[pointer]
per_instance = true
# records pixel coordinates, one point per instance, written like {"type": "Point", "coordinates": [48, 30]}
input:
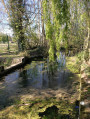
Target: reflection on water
{"type": "Point", "coordinates": [38, 75]}
{"type": "Point", "coordinates": [43, 74]}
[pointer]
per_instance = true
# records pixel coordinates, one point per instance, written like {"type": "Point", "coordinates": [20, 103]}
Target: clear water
{"type": "Point", "coordinates": [39, 78]}
{"type": "Point", "coordinates": [38, 75]}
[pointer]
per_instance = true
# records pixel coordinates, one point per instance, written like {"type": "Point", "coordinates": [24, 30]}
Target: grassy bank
{"type": "Point", "coordinates": [73, 63]}
{"type": "Point", "coordinates": [76, 65]}
{"type": "Point", "coordinates": [11, 56]}
{"type": "Point", "coordinates": [85, 92]}
{"type": "Point", "coordinates": [4, 48]}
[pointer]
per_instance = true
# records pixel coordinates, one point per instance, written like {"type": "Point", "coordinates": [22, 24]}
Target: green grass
{"type": "Point", "coordinates": [4, 48]}
{"type": "Point", "coordinates": [73, 64]}
{"type": "Point", "coordinates": [6, 57]}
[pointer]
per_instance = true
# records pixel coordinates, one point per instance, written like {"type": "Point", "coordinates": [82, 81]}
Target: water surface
{"type": "Point", "coordinates": [39, 79]}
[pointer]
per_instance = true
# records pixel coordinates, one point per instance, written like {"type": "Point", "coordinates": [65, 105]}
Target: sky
{"type": "Point", "coordinates": [4, 21]}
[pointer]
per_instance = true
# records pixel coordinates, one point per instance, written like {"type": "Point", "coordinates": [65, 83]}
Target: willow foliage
{"type": "Point", "coordinates": [56, 15]}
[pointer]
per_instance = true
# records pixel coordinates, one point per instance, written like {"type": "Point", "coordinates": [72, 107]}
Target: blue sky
{"type": "Point", "coordinates": [4, 23]}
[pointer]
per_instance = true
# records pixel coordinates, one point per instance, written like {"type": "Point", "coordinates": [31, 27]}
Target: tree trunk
{"type": "Point", "coordinates": [43, 29]}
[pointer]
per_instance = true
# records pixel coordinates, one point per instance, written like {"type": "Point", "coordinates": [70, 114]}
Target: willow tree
{"type": "Point", "coordinates": [56, 15]}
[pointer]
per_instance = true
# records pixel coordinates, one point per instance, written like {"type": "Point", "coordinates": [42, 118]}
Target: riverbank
{"type": "Point", "coordinates": [85, 92]}
{"type": "Point", "coordinates": [11, 61]}
{"type": "Point", "coordinates": [19, 63]}
{"type": "Point", "coordinates": [84, 70]}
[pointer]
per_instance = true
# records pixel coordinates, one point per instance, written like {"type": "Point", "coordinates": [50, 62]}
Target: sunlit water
{"type": "Point", "coordinates": [38, 75]}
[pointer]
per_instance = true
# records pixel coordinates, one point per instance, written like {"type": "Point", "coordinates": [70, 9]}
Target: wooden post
{"type": "Point", "coordinates": [8, 43]}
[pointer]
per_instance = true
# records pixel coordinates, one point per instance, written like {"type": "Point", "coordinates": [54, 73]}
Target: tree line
{"type": "Point", "coordinates": [3, 38]}
{"type": "Point", "coordinates": [52, 23]}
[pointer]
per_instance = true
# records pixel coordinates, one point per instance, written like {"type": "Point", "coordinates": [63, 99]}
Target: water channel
{"type": "Point", "coordinates": [50, 84]}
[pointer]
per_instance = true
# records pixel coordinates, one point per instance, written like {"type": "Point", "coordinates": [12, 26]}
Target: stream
{"type": "Point", "coordinates": [41, 80]}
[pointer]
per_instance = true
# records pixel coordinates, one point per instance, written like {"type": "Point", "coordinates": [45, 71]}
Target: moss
{"type": "Point", "coordinates": [86, 55]}
{"type": "Point", "coordinates": [32, 110]}
{"type": "Point", "coordinates": [73, 64]}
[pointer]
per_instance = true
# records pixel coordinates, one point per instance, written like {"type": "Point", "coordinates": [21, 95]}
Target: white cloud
{"type": "Point", "coordinates": [8, 32]}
